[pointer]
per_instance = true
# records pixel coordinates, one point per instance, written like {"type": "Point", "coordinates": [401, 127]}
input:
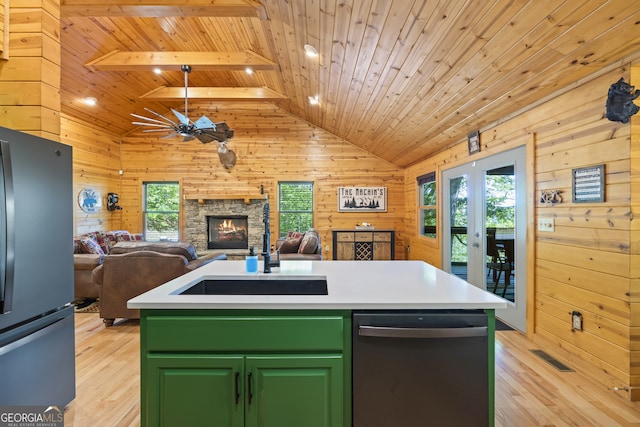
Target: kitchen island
{"type": "Point", "coordinates": [249, 360]}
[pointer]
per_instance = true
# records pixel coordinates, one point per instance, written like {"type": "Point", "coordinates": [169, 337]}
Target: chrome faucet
{"type": "Point", "coordinates": [266, 240]}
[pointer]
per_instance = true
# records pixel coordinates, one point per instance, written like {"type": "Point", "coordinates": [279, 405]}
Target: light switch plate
{"type": "Point", "coordinates": [546, 225]}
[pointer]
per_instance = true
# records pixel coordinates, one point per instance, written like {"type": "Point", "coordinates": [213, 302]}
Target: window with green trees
{"type": "Point", "coordinates": [161, 211]}
{"type": "Point", "coordinates": [295, 207]}
{"type": "Point", "coordinates": [427, 204]}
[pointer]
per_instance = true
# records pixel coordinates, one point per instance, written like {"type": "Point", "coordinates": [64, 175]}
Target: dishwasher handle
{"type": "Point", "coordinates": [390, 332]}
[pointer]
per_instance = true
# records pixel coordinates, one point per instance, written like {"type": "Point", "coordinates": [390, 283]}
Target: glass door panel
{"type": "Point", "coordinates": [458, 226]}
{"type": "Point", "coordinates": [500, 220]}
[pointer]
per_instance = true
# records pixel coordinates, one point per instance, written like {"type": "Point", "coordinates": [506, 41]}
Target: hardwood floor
{"type": "Point", "coordinates": [529, 391]}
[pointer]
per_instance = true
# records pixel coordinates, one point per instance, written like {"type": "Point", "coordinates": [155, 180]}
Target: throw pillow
{"type": "Point", "coordinates": [294, 235]}
{"type": "Point", "coordinates": [290, 246]}
{"type": "Point", "coordinates": [90, 246]}
{"type": "Point", "coordinates": [309, 243]}
{"type": "Point", "coordinates": [102, 240]}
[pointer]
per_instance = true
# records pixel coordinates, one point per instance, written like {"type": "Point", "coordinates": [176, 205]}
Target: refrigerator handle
{"type": "Point", "coordinates": [389, 332]}
{"type": "Point", "coordinates": [8, 230]}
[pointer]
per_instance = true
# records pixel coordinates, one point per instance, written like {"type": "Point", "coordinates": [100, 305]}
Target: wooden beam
{"type": "Point", "coordinates": [164, 8]}
{"type": "Point", "coordinates": [147, 61]}
{"type": "Point", "coordinates": [164, 93]}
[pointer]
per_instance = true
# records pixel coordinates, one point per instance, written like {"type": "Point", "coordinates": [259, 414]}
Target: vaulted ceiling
{"type": "Point", "coordinates": [402, 79]}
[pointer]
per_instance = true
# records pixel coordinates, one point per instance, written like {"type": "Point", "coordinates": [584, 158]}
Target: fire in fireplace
{"type": "Point", "coordinates": [227, 232]}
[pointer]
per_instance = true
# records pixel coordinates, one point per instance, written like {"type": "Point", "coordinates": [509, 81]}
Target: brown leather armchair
{"type": "Point", "coordinates": [127, 275]}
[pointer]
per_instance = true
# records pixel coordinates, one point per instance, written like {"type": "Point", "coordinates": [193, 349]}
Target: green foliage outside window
{"type": "Point", "coordinates": [295, 206]}
{"type": "Point", "coordinates": [161, 209]}
{"type": "Point", "coordinates": [428, 204]}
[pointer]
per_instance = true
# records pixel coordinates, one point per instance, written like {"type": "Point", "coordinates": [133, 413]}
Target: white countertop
{"type": "Point", "coordinates": [352, 285]}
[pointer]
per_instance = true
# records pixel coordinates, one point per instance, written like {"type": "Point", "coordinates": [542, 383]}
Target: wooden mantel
{"type": "Point", "coordinates": [246, 197]}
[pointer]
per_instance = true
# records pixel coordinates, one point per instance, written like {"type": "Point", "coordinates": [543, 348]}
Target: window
{"type": "Point", "coordinates": [161, 209]}
{"type": "Point", "coordinates": [427, 202]}
{"type": "Point", "coordinates": [295, 206]}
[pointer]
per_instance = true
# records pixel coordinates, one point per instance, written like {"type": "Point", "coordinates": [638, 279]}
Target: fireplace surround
{"type": "Point", "coordinates": [196, 212]}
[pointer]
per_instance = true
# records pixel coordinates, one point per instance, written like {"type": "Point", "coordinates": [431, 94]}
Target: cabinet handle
{"type": "Point", "coordinates": [388, 332]}
{"type": "Point", "coordinates": [237, 387]}
{"type": "Point", "coordinates": [250, 392]}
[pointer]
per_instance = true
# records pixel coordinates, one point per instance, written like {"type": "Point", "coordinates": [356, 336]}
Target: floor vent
{"type": "Point", "coordinates": [552, 360]}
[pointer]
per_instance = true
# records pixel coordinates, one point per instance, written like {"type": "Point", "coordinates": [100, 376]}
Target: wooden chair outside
{"type": "Point", "coordinates": [498, 262]}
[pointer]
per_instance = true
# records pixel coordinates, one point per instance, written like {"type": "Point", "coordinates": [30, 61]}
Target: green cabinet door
{"type": "Point", "coordinates": [294, 390]}
{"type": "Point", "coordinates": [195, 390]}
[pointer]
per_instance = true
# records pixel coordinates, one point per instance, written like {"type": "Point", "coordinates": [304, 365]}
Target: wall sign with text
{"type": "Point", "coordinates": [362, 199]}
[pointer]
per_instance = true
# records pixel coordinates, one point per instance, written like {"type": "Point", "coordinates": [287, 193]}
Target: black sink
{"type": "Point", "coordinates": [259, 286]}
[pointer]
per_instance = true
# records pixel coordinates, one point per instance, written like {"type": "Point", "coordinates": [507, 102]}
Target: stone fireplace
{"type": "Point", "coordinates": [198, 224]}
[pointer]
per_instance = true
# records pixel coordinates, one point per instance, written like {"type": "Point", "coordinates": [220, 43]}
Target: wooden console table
{"type": "Point", "coordinates": [363, 245]}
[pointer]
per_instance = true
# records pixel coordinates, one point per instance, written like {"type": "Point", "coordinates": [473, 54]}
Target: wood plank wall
{"type": "Point", "coordinates": [634, 248]}
{"type": "Point", "coordinates": [586, 264]}
{"type": "Point", "coordinates": [271, 146]}
{"type": "Point", "coordinates": [96, 161]}
{"type": "Point", "coordinates": [34, 67]}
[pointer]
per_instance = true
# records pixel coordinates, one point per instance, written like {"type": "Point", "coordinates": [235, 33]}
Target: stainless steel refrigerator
{"type": "Point", "coordinates": [37, 347]}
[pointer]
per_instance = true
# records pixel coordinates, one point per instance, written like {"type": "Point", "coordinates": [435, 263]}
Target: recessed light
{"type": "Point", "coordinates": [248, 70]}
{"type": "Point", "coordinates": [157, 71]}
{"type": "Point", "coordinates": [90, 100]}
{"type": "Point", "coordinates": [313, 100]}
{"type": "Point", "coordinates": [310, 51]}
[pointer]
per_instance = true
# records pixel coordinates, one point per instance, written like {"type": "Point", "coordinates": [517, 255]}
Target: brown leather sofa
{"type": "Point", "coordinates": [84, 286]}
{"type": "Point", "coordinates": [132, 268]}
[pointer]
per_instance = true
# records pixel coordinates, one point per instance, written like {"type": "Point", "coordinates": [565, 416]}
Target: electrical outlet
{"type": "Point", "coordinates": [546, 225]}
{"type": "Point", "coordinates": [576, 321]}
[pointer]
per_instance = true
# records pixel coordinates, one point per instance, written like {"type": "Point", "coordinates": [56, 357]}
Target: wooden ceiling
{"type": "Point", "coordinates": [402, 79]}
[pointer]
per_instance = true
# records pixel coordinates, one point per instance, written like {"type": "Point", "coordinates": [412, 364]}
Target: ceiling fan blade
{"type": "Point", "coordinates": [188, 138]}
{"type": "Point", "coordinates": [157, 130]}
{"type": "Point", "coordinates": [183, 119]}
{"type": "Point", "coordinates": [204, 122]}
{"type": "Point", "coordinates": [166, 126]}
{"type": "Point", "coordinates": [149, 119]}
{"type": "Point", "coordinates": [162, 117]}
{"type": "Point", "coordinates": [208, 135]}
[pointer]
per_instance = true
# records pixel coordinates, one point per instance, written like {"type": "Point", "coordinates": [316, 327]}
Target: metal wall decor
{"type": "Point", "coordinates": [620, 106]}
{"type": "Point", "coordinates": [588, 184]}
{"type": "Point", "coordinates": [89, 200]}
{"type": "Point", "coordinates": [551, 197]}
{"type": "Point", "coordinates": [473, 140]}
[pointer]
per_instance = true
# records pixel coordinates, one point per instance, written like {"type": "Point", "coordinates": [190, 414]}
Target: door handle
{"type": "Point", "coordinates": [249, 391]}
{"type": "Point", "coordinates": [388, 332]}
{"type": "Point", "coordinates": [237, 389]}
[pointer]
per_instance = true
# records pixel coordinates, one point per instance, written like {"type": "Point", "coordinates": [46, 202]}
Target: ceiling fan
{"type": "Point", "coordinates": [203, 129]}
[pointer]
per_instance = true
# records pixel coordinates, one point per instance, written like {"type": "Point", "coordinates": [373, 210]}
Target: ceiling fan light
{"type": "Point", "coordinates": [311, 51]}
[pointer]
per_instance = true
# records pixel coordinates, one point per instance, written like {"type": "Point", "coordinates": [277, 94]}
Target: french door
{"type": "Point", "coordinates": [484, 228]}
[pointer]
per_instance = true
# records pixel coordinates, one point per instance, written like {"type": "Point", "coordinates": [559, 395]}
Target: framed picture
{"type": "Point", "coordinates": [473, 139]}
{"type": "Point", "coordinates": [588, 184]}
{"type": "Point", "coordinates": [362, 199]}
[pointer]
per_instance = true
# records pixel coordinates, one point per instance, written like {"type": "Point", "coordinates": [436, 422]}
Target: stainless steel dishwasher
{"type": "Point", "coordinates": [420, 368]}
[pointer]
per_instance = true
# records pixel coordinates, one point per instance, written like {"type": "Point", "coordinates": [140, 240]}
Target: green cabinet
{"type": "Point", "coordinates": [245, 369]}
{"type": "Point", "coordinates": [194, 390]}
